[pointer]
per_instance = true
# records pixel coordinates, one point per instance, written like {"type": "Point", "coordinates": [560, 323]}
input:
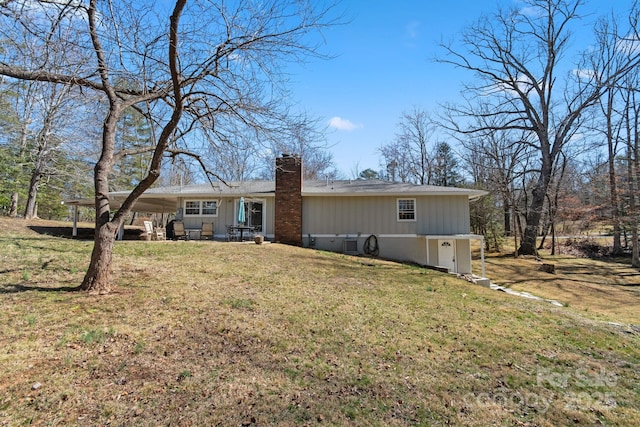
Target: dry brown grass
{"type": "Point", "coordinates": [208, 333]}
{"type": "Point", "coordinates": [606, 289]}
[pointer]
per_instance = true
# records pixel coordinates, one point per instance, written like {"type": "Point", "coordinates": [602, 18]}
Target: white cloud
{"type": "Point", "coordinates": [343, 124]}
{"type": "Point", "coordinates": [584, 73]}
{"type": "Point", "coordinates": [532, 11]}
{"type": "Point", "coordinates": [630, 45]}
{"type": "Point", "coordinates": [412, 29]}
{"type": "Point", "coordinates": [520, 83]}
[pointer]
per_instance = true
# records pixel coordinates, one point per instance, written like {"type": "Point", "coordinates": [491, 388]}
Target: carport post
{"type": "Point", "coordinates": [482, 255]}
{"type": "Point", "coordinates": [74, 233]}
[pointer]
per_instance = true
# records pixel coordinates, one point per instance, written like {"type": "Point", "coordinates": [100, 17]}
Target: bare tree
{"type": "Point", "coordinates": [12, 153]}
{"type": "Point", "coordinates": [52, 129]}
{"type": "Point", "coordinates": [235, 159]}
{"type": "Point", "coordinates": [408, 154]}
{"type": "Point", "coordinates": [611, 125]}
{"type": "Point", "coordinates": [611, 134]}
{"type": "Point", "coordinates": [499, 159]}
{"type": "Point", "coordinates": [631, 120]}
{"type": "Point", "coordinates": [518, 56]}
{"type": "Point", "coordinates": [305, 138]}
{"type": "Point", "coordinates": [46, 120]}
{"type": "Point", "coordinates": [192, 68]}
{"type": "Point", "coordinates": [396, 162]}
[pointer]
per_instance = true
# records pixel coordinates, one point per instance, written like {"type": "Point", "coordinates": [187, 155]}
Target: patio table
{"type": "Point", "coordinates": [242, 229]}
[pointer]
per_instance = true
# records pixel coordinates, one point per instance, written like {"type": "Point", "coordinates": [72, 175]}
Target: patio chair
{"type": "Point", "coordinates": [152, 232]}
{"type": "Point", "coordinates": [207, 231]}
{"type": "Point", "coordinates": [148, 229]}
{"type": "Point", "coordinates": [232, 233]}
{"type": "Point", "coordinates": [250, 234]}
{"type": "Point", "coordinates": [160, 233]}
{"type": "Point", "coordinates": [179, 232]}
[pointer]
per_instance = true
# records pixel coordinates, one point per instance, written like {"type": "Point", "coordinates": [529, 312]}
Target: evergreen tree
{"type": "Point", "coordinates": [368, 174]}
{"type": "Point", "coordinates": [135, 142]}
{"type": "Point", "coordinates": [13, 176]}
{"type": "Point", "coordinates": [445, 166]}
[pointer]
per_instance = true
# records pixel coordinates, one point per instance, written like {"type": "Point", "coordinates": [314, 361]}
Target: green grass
{"type": "Point", "coordinates": [206, 333]}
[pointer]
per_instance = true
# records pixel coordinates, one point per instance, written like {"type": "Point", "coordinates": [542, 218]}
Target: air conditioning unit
{"type": "Point", "coordinates": [350, 246]}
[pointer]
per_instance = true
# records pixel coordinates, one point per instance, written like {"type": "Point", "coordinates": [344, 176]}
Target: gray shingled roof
{"type": "Point", "coordinates": [229, 189]}
{"type": "Point", "coordinates": [381, 188]}
{"type": "Point", "coordinates": [163, 199]}
{"type": "Point", "coordinates": [312, 188]}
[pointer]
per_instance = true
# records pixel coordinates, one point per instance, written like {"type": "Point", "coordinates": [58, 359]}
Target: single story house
{"type": "Point", "coordinates": [424, 224]}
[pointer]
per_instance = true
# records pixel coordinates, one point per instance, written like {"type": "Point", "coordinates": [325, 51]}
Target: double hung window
{"type": "Point", "coordinates": [201, 208]}
{"type": "Point", "coordinates": [406, 209]}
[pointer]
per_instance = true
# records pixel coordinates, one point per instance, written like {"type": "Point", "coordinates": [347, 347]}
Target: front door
{"type": "Point", "coordinates": [447, 254]}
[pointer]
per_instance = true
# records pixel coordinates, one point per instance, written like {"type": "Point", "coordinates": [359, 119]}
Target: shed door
{"type": "Point", "coordinates": [447, 254]}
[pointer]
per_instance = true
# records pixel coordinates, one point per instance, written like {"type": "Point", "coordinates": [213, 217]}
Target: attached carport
{"type": "Point", "coordinates": [146, 203]}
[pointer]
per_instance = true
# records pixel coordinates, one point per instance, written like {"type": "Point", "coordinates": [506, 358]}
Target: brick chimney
{"type": "Point", "coordinates": [288, 211]}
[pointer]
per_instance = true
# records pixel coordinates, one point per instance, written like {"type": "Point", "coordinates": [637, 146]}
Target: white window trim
{"type": "Point", "coordinates": [202, 202]}
{"type": "Point", "coordinates": [200, 207]}
{"type": "Point", "coordinates": [415, 209]}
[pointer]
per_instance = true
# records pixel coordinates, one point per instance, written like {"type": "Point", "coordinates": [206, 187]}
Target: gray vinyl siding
{"type": "Point", "coordinates": [463, 256]}
{"type": "Point", "coordinates": [378, 215]}
{"type": "Point", "coordinates": [433, 252]}
{"type": "Point", "coordinates": [226, 214]}
{"type": "Point", "coordinates": [445, 214]}
{"type": "Point", "coordinates": [269, 226]}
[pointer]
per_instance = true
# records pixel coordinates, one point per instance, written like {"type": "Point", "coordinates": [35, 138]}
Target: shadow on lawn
{"type": "Point", "coordinates": [84, 233]}
{"type": "Point", "coordinates": [14, 289]}
{"type": "Point", "coordinates": [606, 270]}
{"type": "Point", "coordinates": [617, 272]}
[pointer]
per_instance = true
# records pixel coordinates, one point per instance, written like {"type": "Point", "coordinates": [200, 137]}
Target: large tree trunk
{"type": "Point", "coordinates": [548, 156]}
{"type": "Point", "coordinates": [635, 254]}
{"type": "Point", "coordinates": [635, 251]}
{"type": "Point", "coordinates": [633, 208]}
{"type": "Point", "coordinates": [534, 215]}
{"type": "Point", "coordinates": [528, 245]}
{"type": "Point", "coordinates": [98, 276]}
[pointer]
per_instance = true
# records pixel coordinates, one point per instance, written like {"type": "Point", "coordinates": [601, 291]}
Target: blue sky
{"type": "Point", "coordinates": [383, 65]}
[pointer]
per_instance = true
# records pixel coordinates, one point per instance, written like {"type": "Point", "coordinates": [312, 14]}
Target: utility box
{"type": "Point", "coordinates": [350, 246]}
